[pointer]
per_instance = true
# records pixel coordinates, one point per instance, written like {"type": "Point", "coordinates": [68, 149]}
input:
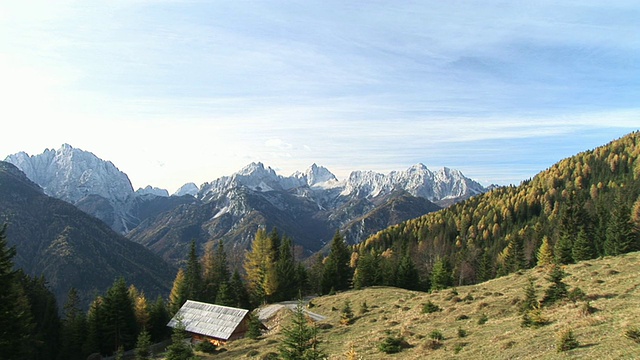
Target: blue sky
{"type": "Point", "coordinates": [179, 91]}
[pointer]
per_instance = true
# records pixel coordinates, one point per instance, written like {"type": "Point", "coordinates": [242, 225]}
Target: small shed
{"type": "Point", "coordinates": [209, 322]}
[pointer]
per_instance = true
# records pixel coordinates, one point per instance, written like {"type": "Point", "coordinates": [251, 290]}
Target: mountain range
{"type": "Point", "coordinates": [308, 206]}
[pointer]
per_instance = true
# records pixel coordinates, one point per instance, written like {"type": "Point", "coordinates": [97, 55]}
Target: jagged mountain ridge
{"type": "Point", "coordinates": [72, 249]}
{"type": "Point", "coordinates": [308, 206]}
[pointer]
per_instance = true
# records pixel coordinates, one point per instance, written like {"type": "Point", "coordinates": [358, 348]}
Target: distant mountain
{"type": "Point", "coordinates": [93, 185]}
{"type": "Point", "coordinates": [308, 206]}
{"type": "Point", "coordinates": [71, 248]}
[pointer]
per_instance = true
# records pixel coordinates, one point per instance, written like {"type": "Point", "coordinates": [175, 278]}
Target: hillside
{"type": "Point", "coordinates": [611, 285]}
{"type": "Point", "coordinates": [70, 248]}
{"type": "Point", "coordinates": [595, 193]}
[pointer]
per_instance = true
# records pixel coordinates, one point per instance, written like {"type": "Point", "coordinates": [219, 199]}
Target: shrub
{"type": "Point", "coordinates": [483, 319]}
{"type": "Point", "coordinates": [364, 308]}
{"type": "Point", "coordinates": [462, 317]}
{"type": "Point", "coordinates": [567, 341]}
{"type": "Point", "coordinates": [436, 335]}
{"type": "Point", "coordinates": [533, 318]}
{"type": "Point", "coordinates": [576, 294]}
{"type": "Point", "coordinates": [586, 309]}
{"type": "Point", "coordinates": [633, 334]}
{"type": "Point", "coordinates": [206, 347]}
{"type": "Point", "coordinates": [462, 332]}
{"type": "Point", "coordinates": [390, 345]}
{"type": "Point", "coordinates": [430, 307]}
{"type": "Point", "coordinates": [458, 347]}
{"type": "Point", "coordinates": [346, 315]}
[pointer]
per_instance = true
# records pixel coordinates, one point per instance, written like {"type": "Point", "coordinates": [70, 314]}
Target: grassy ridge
{"type": "Point", "coordinates": [612, 286]}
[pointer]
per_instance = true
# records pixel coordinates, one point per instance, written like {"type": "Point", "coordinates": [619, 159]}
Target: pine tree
{"type": "Point", "coordinates": [486, 267]}
{"type": "Point", "coordinates": [441, 276]}
{"type": "Point", "coordinates": [158, 319]}
{"type": "Point", "coordinates": [16, 322]}
{"type": "Point", "coordinates": [143, 346]}
{"type": "Point", "coordinates": [179, 294]}
{"type": "Point", "coordinates": [582, 247]}
{"type": "Point", "coordinates": [337, 273]}
{"type": "Point", "coordinates": [239, 292]}
{"type": "Point", "coordinates": [367, 271]}
{"type": "Point", "coordinates": [346, 315]}
{"type": "Point", "coordinates": [563, 250]}
{"type": "Point", "coordinates": [620, 237]}
{"type": "Point", "coordinates": [286, 272]}
{"type": "Point", "coordinates": [300, 340]}
{"type": "Point", "coordinates": [558, 289]}
{"type": "Point", "coordinates": [74, 327]}
{"type": "Point", "coordinates": [216, 270]}
{"type": "Point", "coordinates": [179, 350]}
{"type": "Point", "coordinates": [96, 321]}
{"type": "Point", "coordinates": [225, 297]}
{"type": "Point", "coordinates": [408, 277]}
{"type": "Point", "coordinates": [530, 299]}
{"type": "Point", "coordinates": [120, 321]}
{"type": "Point", "coordinates": [545, 254]}
{"type": "Point", "coordinates": [193, 275]}
{"type": "Point", "coordinates": [44, 312]}
{"type": "Point", "coordinates": [255, 327]}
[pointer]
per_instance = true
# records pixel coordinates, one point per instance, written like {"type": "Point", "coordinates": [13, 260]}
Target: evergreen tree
{"type": "Point", "coordinates": [158, 319]}
{"type": "Point", "coordinates": [225, 296]}
{"type": "Point", "coordinates": [367, 271]}
{"type": "Point", "coordinates": [143, 346]}
{"type": "Point", "coordinates": [300, 340]}
{"type": "Point", "coordinates": [74, 327]}
{"type": "Point", "coordinates": [96, 321]}
{"type": "Point", "coordinates": [407, 277]}
{"type": "Point", "coordinates": [16, 322]}
{"type": "Point", "coordinates": [530, 300]}
{"type": "Point", "coordinates": [179, 293]}
{"type": "Point", "coordinates": [255, 327]}
{"type": "Point", "coordinates": [179, 350]}
{"type": "Point", "coordinates": [485, 269]}
{"type": "Point", "coordinates": [563, 250]}
{"type": "Point", "coordinates": [44, 312]}
{"type": "Point", "coordinates": [337, 273]}
{"type": "Point", "coordinates": [239, 292]}
{"type": "Point", "coordinates": [216, 270]}
{"type": "Point", "coordinates": [558, 289]}
{"type": "Point", "coordinates": [316, 270]}
{"type": "Point", "coordinates": [193, 275]}
{"type": "Point", "coordinates": [441, 276]}
{"type": "Point", "coordinates": [286, 272]}
{"type": "Point", "coordinates": [545, 254]}
{"type": "Point", "coordinates": [620, 237]}
{"type": "Point", "coordinates": [120, 321]}
{"type": "Point", "coordinates": [582, 247]}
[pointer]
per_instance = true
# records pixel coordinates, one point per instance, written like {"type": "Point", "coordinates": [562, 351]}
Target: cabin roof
{"type": "Point", "coordinates": [208, 319]}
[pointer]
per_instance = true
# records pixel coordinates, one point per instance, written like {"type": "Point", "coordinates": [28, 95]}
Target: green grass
{"type": "Point", "coordinates": [611, 285]}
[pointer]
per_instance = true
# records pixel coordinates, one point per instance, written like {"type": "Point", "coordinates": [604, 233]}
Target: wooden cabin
{"type": "Point", "coordinates": [214, 323]}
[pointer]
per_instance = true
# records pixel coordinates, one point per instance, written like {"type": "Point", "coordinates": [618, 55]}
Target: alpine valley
{"type": "Point", "coordinates": [307, 206]}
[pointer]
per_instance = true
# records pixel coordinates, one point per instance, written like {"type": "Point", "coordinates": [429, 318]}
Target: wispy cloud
{"type": "Point", "coordinates": [498, 89]}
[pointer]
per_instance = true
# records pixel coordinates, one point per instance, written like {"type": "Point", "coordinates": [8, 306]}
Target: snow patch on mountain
{"type": "Point", "coordinates": [187, 189]}
{"type": "Point", "coordinates": [154, 191]}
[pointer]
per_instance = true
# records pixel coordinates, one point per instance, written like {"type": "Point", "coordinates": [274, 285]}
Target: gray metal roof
{"type": "Point", "coordinates": [209, 319]}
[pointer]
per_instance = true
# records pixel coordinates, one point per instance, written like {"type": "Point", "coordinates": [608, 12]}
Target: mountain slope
{"type": "Point", "coordinates": [611, 286]}
{"type": "Point", "coordinates": [500, 231]}
{"type": "Point", "coordinates": [70, 248]}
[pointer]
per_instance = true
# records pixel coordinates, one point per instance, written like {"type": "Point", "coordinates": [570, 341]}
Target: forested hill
{"type": "Point", "coordinates": [582, 207]}
{"type": "Point", "coordinates": [70, 248]}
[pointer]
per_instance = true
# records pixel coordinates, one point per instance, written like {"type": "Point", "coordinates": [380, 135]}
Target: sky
{"type": "Point", "coordinates": [188, 91]}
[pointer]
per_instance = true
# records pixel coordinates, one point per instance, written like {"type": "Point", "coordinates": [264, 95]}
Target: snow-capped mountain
{"type": "Point", "coordinates": [80, 178]}
{"type": "Point", "coordinates": [308, 206]}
